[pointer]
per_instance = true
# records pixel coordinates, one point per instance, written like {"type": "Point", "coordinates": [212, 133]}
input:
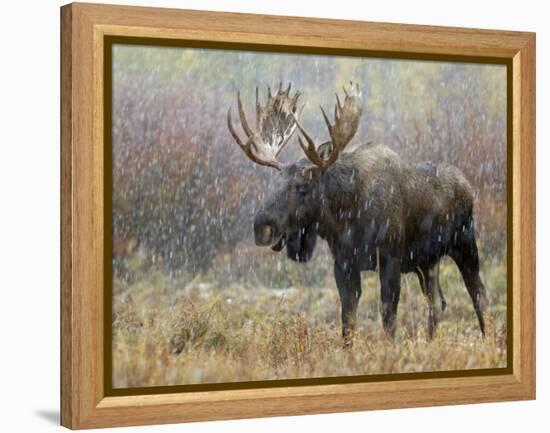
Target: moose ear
{"type": "Point", "coordinates": [324, 150]}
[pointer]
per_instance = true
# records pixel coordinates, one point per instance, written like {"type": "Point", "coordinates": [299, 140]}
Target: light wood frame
{"type": "Point", "coordinates": [83, 28]}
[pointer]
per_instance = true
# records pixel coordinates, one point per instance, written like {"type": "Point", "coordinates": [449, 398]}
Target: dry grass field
{"type": "Point", "coordinates": [172, 332]}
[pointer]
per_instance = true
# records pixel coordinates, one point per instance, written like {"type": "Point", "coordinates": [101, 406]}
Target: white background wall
{"type": "Point", "coordinates": [29, 219]}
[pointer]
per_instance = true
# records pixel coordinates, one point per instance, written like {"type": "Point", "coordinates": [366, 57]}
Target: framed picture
{"type": "Point", "coordinates": [231, 250]}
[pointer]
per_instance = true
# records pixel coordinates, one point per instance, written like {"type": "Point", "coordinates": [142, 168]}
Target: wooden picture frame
{"type": "Point", "coordinates": [84, 30]}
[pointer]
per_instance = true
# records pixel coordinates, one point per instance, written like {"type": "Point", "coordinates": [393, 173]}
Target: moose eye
{"type": "Point", "coordinates": [302, 189]}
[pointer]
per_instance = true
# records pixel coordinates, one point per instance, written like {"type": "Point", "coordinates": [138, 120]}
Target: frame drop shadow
{"type": "Point", "coordinates": [50, 415]}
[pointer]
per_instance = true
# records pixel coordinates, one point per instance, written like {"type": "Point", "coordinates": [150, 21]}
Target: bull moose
{"type": "Point", "coordinates": [375, 210]}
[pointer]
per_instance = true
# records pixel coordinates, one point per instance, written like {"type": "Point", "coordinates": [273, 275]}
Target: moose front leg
{"type": "Point", "coordinates": [348, 280]}
{"type": "Point", "coordinates": [390, 288]}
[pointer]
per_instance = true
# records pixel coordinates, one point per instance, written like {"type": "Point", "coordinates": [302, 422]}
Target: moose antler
{"type": "Point", "coordinates": [275, 124]}
{"type": "Point", "coordinates": [346, 122]}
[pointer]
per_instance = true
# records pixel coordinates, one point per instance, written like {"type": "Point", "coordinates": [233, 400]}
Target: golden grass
{"type": "Point", "coordinates": [165, 333]}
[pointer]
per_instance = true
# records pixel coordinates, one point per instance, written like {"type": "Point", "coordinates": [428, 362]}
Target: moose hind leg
{"type": "Point", "coordinates": [422, 280]}
{"type": "Point", "coordinates": [348, 280]}
{"type": "Point", "coordinates": [466, 257]}
{"type": "Point", "coordinates": [429, 283]}
{"type": "Point", "coordinates": [390, 288]}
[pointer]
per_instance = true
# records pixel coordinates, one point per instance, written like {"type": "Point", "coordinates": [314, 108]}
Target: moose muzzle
{"type": "Point", "coordinates": [266, 230]}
